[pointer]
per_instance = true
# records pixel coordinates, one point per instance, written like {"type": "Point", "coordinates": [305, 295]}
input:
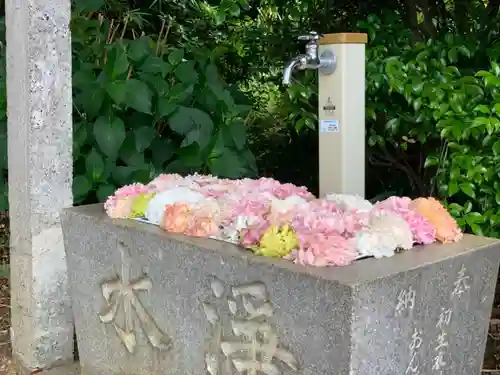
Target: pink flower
{"type": "Point", "coordinates": [118, 205]}
{"type": "Point", "coordinates": [203, 180]}
{"type": "Point", "coordinates": [322, 251]}
{"type": "Point", "coordinates": [394, 203]}
{"type": "Point", "coordinates": [250, 206]}
{"type": "Point", "coordinates": [422, 230]}
{"type": "Point", "coordinates": [169, 181]}
{"type": "Point", "coordinates": [277, 189]}
{"type": "Point", "coordinates": [348, 202]}
{"type": "Point", "coordinates": [252, 234]}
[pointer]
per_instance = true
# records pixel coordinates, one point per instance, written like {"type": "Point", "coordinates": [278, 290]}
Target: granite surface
{"type": "Point", "coordinates": [40, 142]}
{"type": "Point", "coordinates": [149, 302]}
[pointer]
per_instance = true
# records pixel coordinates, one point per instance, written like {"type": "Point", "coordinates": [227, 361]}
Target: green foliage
{"type": "Point", "coordinates": [144, 108]}
{"type": "Point", "coordinates": [437, 123]}
{"type": "Point", "coordinates": [150, 96]}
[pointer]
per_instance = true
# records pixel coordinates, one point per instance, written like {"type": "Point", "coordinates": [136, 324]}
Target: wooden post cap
{"type": "Point", "coordinates": [344, 38]}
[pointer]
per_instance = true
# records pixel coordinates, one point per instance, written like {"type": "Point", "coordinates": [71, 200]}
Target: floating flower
{"type": "Point", "coordinates": [447, 230]}
{"type": "Point", "coordinates": [394, 203]}
{"type": "Point", "coordinates": [284, 220]}
{"type": "Point", "coordinates": [169, 181]}
{"type": "Point", "coordinates": [119, 205]}
{"type": "Point", "coordinates": [131, 190]}
{"type": "Point", "coordinates": [277, 242]}
{"type": "Point", "coordinates": [422, 230]}
{"type": "Point", "coordinates": [385, 233]}
{"type": "Point", "coordinates": [253, 232]}
{"type": "Point", "coordinates": [156, 206]}
{"type": "Point", "coordinates": [140, 205]}
{"type": "Point", "coordinates": [119, 208]}
{"type": "Point", "coordinates": [176, 217]}
{"type": "Point", "coordinates": [349, 202]}
{"type": "Point", "coordinates": [202, 226]}
{"type": "Point", "coordinates": [323, 251]}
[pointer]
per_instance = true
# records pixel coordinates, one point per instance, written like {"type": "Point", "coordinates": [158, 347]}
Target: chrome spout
{"type": "Point", "coordinates": [325, 63]}
{"type": "Point", "coordinates": [296, 63]}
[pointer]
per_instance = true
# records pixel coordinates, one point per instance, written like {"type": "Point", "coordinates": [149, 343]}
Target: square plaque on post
{"type": "Point", "coordinates": [149, 302]}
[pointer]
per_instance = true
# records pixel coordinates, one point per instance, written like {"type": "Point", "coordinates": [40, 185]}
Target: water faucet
{"type": "Point", "coordinates": [325, 63]}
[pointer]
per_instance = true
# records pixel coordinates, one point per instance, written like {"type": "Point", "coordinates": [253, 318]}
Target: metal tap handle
{"type": "Point", "coordinates": [312, 36]}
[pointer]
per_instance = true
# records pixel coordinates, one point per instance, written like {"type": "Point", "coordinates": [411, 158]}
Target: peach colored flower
{"type": "Point", "coordinates": [176, 217]}
{"type": "Point", "coordinates": [202, 226]}
{"type": "Point", "coordinates": [447, 230]}
{"type": "Point", "coordinates": [119, 208]}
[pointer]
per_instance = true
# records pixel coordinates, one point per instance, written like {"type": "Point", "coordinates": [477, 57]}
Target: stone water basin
{"type": "Point", "coordinates": [150, 302]}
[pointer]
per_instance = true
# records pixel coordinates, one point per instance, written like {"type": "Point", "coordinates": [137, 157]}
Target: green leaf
{"type": "Point", "coordinates": [143, 137]}
{"type": "Point", "coordinates": [453, 188]}
{"type": "Point", "coordinates": [117, 91]}
{"type": "Point", "coordinates": [483, 73]}
{"type": "Point", "coordinates": [81, 186]}
{"type": "Point", "coordinates": [238, 133]}
{"type": "Point", "coordinates": [129, 154]}
{"type": "Point", "coordinates": [496, 68]}
{"type": "Point", "coordinates": [417, 103]}
{"type": "Point", "coordinates": [87, 6]}
{"type": "Point", "coordinates": [194, 124]}
{"type": "Point", "coordinates": [431, 161]}
{"type": "Point", "coordinates": [176, 56]}
{"type": "Point", "coordinates": [476, 229]}
{"type": "Point", "coordinates": [480, 121]}
{"type": "Point", "coordinates": [138, 96]}
{"type": "Point", "coordinates": [155, 65]}
{"type": "Point", "coordinates": [162, 150]}
{"type": "Point", "coordinates": [121, 175]}
{"type": "Point", "coordinates": [227, 164]}
{"type": "Point", "coordinates": [104, 191]}
{"type": "Point", "coordinates": [119, 61]}
{"type": "Point", "coordinates": [94, 165]}
{"type": "Point", "coordinates": [109, 133]}
{"type": "Point", "coordinates": [474, 218]}
{"type": "Point", "coordinates": [220, 17]}
{"type": "Point", "coordinates": [392, 124]}
{"type": "Point", "coordinates": [139, 48]}
{"type": "Point", "coordinates": [482, 108]}
{"type": "Point", "coordinates": [90, 101]}
{"type": "Point", "coordinates": [186, 72]}
{"type": "Point", "coordinates": [165, 108]}
{"type": "Point", "coordinates": [497, 108]}
{"type": "Point", "coordinates": [234, 10]}
{"type": "Point", "coordinates": [180, 92]}
{"type": "Point", "coordinates": [468, 189]}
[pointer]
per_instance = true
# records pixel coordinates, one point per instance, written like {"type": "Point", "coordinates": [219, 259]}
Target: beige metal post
{"type": "Point", "coordinates": [342, 116]}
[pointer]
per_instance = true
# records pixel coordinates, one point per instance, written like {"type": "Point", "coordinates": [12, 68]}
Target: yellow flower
{"type": "Point", "coordinates": [277, 242]}
{"type": "Point", "coordinates": [140, 204]}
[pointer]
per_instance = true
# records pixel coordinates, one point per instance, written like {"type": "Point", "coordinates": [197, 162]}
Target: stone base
{"type": "Point", "coordinates": [197, 306]}
{"type": "Point", "coordinates": [62, 369]}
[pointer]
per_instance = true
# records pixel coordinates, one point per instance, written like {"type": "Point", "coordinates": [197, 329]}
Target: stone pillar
{"type": "Point", "coordinates": [40, 178]}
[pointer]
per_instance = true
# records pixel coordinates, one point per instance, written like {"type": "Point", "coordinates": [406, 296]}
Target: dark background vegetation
{"type": "Point", "coordinates": [192, 85]}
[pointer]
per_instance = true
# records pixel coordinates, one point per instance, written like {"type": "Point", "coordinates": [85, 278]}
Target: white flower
{"type": "Point", "coordinates": [156, 206]}
{"type": "Point", "coordinates": [385, 233]}
{"type": "Point", "coordinates": [284, 205]}
{"type": "Point", "coordinates": [348, 202]}
{"type": "Point", "coordinates": [231, 233]}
